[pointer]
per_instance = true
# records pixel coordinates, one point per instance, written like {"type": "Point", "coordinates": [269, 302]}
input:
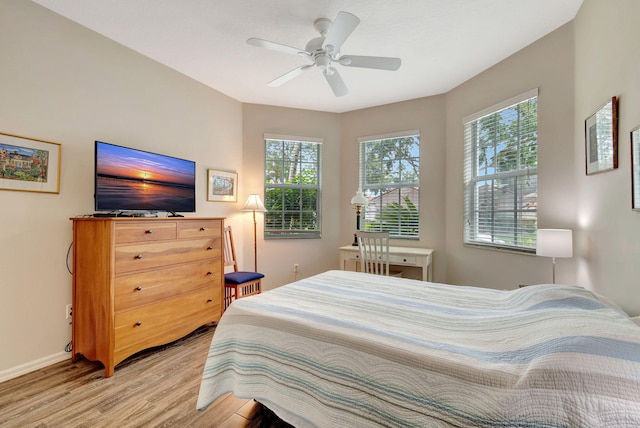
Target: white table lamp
{"type": "Point", "coordinates": [554, 243]}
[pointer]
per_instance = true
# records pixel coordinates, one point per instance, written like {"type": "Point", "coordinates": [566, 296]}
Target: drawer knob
{"type": "Point", "coordinates": [138, 288]}
{"type": "Point", "coordinates": [209, 273]}
{"type": "Point", "coordinates": [404, 260]}
{"type": "Point", "coordinates": [209, 300]}
{"type": "Point", "coordinates": [138, 324]}
{"type": "Point", "coordinates": [209, 248]}
{"type": "Point", "coordinates": [150, 231]}
{"type": "Point", "coordinates": [202, 229]}
{"type": "Point", "coordinates": [139, 256]}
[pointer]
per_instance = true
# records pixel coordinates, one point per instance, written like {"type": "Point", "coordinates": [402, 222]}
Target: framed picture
{"type": "Point", "coordinates": [222, 186]}
{"type": "Point", "coordinates": [29, 165]}
{"type": "Point", "coordinates": [601, 138]}
{"type": "Point", "coordinates": [635, 168]}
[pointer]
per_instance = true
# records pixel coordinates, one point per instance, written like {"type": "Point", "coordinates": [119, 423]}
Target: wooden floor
{"type": "Point", "coordinates": [155, 388]}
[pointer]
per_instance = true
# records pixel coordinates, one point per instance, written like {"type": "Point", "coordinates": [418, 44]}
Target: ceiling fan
{"type": "Point", "coordinates": [324, 51]}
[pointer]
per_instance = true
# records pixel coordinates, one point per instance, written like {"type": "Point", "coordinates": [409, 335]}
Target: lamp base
{"type": "Point", "coordinates": [355, 240]}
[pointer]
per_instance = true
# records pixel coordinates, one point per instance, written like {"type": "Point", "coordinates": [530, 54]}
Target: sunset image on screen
{"type": "Point", "coordinates": [130, 179]}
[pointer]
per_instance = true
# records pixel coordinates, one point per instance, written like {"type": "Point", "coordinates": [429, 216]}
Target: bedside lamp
{"type": "Point", "coordinates": [359, 201]}
{"type": "Point", "coordinates": [554, 243]}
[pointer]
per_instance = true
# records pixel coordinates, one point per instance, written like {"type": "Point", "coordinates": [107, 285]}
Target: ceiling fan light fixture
{"type": "Point", "coordinates": [323, 61]}
{"type": "Point", "coordinates": [324, 50]}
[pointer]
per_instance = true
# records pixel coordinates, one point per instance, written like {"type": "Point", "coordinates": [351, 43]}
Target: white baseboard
{"type": "Point", "coordinates": [33, 366]}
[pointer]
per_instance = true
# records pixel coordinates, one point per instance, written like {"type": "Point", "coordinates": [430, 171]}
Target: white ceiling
{"type": "Point", "coordinates": [442, 43]}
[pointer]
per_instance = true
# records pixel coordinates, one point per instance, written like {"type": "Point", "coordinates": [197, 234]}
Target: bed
{"type": "Point", "coordinates": [346, 349]}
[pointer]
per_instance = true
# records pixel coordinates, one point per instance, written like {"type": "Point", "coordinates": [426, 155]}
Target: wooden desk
{"type": "Point", "coordinates": [413, 262]}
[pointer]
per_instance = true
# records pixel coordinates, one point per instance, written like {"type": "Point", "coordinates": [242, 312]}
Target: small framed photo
{"type": "Point", "coordinates": [29, 165]}
{"type": "Point", "coordinates": [222, 186]}
{"type": "Point", "coordinates": [601, 138]}
{"type": "Point", "coordinates": [635, 169]}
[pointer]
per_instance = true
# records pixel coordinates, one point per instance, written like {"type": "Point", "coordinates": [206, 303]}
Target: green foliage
{"type": "Point", "coordinates": [390, 165]}
{"type": "Point", "coordinates": [508, 139]}
{"type": "Point", "coordinates": [505, 141]}
{"type": "Point", "coordinates": [291, 192]}
{"type": "Point", "coordinates": [394, 160]}
{"type": "Point", "coordinates": [397, 219]}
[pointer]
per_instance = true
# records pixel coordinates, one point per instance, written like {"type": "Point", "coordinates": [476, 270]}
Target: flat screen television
{"type": "Point", "coordinates": [130, 180]}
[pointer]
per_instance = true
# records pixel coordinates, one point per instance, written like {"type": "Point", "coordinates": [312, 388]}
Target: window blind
{"type": "Point", "coordinates": [500, 175]}
{"type": "Point", "coordinates": [390, 180]}
{"type": "Point", "coordinates": [292, 187]}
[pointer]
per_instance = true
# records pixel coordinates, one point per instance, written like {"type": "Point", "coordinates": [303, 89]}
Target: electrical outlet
{"type": "Point", "coordinates": [68, 311]}
{"type": "Point", "coordinates": [296, 267]}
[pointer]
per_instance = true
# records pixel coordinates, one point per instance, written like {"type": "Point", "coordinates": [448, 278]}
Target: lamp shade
{"type": "Point", "coordinates": [254, 203]}
{"type": "Point", "coordinates": [359, 198]}
{"type": "Point", "coordinates": [554, 243]}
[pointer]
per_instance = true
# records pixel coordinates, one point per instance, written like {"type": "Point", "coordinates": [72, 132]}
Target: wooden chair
{"type": "Point", "coordinates": [374, 253]}
{"type": "Point", "coordinates": [237, 284]}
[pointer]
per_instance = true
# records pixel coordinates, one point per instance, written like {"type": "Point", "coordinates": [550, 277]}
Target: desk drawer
{"type": "Point", "coordinates": [393, 259]}
{"type": "Point", "coordinates": [403, 260]}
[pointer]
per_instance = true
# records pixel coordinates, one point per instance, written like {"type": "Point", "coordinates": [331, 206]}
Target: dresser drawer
{"type": "Point", "coordinates": [164, 321]}
{"type": "Point", "coordinates": [145, 231]}
{"type": "Point", "coordinates": [134, 257]}
{"type": "Point", "coordinates": [143, 288]}
{"type": "Point", "coordinates": [200, 229]}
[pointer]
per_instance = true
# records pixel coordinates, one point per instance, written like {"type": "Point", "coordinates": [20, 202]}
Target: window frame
{"type": "Point", "coordinates": [471, 179]}
{"type": "Point", "coordinates": [395, 185]}
{"type": "Point", "coordinates": [294, 233]}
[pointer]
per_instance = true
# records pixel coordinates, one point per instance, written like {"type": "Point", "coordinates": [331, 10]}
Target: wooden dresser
{"type": "Point", "coordinates": [140, 282]}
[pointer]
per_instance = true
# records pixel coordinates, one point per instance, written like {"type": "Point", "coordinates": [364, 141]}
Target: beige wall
{"type": "Point", "coordinates": [547, 64]}
{"type": "Point", "coordinates": [63, 83]}
{"type": "Point", "coordinates": [277, 256]}
{"type": "Point", "coordinates": [60, 82]}
{"type": "Point", "coordinates": [426, 115]}
{"type": "Point", "coordinates": [608, 231]}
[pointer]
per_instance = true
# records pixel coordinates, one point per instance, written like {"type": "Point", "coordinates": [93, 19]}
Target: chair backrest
{"type": "Point", "coordinates": [229, 250]}
{"type": "Point", "coordinates": [374, 252]}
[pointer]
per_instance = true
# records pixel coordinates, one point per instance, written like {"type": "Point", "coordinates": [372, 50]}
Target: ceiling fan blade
{"type": "Point", "coordinates": [335, 81]}
{"type": "Point", "coordinates": [288, 76]}
{"type": "Point", "coordinates": [378, 62]}
{"type": "Point", "coordinates": [342, 27]}
{"type": "Point", "coordinates": [276, 46]}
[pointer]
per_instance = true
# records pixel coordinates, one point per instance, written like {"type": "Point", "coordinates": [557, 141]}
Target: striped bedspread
{"type": "Point", "coordinates": [345, 349]}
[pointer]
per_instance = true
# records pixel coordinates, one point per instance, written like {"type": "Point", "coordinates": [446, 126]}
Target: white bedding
{"type": "Point", "coordinates": [344, 349]}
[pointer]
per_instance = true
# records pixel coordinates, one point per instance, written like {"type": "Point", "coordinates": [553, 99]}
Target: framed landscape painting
{"type": "Point", "coordinates": [222, 186]}
{"type": "Point", "coordinates": [29, 165]}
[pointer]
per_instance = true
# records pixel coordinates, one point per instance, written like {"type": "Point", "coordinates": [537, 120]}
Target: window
{"type": "Point", "coordinates": [390, 180]}
{"type": "Point", "coordinates": [500, 175]}
{"type": "Point", "coordinates": [292, 187]}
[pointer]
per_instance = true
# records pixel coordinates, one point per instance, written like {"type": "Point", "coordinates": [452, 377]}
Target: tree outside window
{"type": "Point", "coordinates": [292, 188]}
{"type": "Point", "coordinates": [390, 180]}
{"type": "Point", "coordinates": [501, 181]}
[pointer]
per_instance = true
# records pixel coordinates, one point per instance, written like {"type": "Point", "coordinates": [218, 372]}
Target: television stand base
{"type": "Point", "coordinates": [137, 214]}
